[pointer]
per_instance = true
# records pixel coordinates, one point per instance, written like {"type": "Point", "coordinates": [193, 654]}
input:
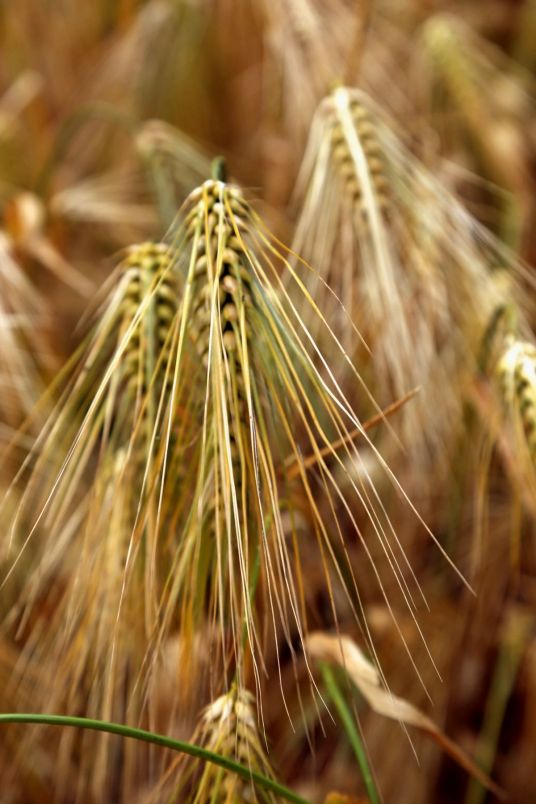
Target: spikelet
{"type": "Point", "coordinates": [228, 727]}
{"type": "Point", "coordinates": [15, 133]}
{"type": "Point", "coordinates": [406, 260]}
{"type": "Point", "coordinates": [516, 372]}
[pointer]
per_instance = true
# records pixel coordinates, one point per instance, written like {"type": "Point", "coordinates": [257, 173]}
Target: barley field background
{"type": "Point", "coordinates": [267, 401]}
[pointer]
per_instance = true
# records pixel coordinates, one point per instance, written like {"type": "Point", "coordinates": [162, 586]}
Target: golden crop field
{"type": "Point", "coordinates": [267, 401]}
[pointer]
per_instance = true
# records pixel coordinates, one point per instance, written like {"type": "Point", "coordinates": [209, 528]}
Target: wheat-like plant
{"type": "Point", "coordinates": [97, 559]}
{"type": "Point", "coordinates": [507, 360]}
{"type": "Point", "coordinates": [485, 95]}
{"type": "Point", "coordinates": [413, 268]}
{"type": "Point", "coordinates": [516, 371]}
{"type": "Point", "coordinates": [182, 408]}
{"type": "Point", "coordinates": [262, 386]}
{"type": "Point", "coordinates": [227, 726]}
{"type": "Point", "coordinates": [210, 499]}
{"type": "Point", "coordinates": [307, 47]}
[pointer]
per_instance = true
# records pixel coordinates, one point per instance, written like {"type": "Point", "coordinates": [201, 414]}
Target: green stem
{"type": "Point", "coordinates": [159, 739]}
{"type": "Point", "coordinates": [504, 316]}
{"type": "Point", "coordinates": [351, 731]}
{"type": "Point", "coordinates": [219, 169]}
{"type": "Point", "coordinates": [161, 188]}
{"type": "Point", "coordinates": [504, 678]}
{"type": "Point", "coordinates": [511, 224]}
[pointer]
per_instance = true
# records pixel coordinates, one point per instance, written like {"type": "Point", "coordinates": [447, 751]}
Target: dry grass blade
{"type": "Point", "coordinates": [343, 651]}
{"type": "Point", "coordinates": [312, 460]}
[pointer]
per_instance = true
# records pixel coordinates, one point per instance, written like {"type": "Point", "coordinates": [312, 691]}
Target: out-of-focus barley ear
{"type": "Point", "coordinates": [117, 82]}
{"type": "Point", "coordinates": [516, 373]}
{"type": "Point", "coordinates": [402, 258]}
{"type": "Point", "coordinates": [490, 97]}
{"type": "Point", "coordinates": [505, 417]}
{"type": "Point", "coordinates": [150, 61]}
{"type": "Point", "coordinates": [502, 326]}
{"type": "Point", "coordinates": [308, 47]}
{"type": "Point", "coordinates": [229, 727]}
{"type": "Point", "coordinates": [163, 165]}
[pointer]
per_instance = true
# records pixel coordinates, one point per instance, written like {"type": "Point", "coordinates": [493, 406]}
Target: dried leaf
{"type": "Point", "coordinates": [343, 651]}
